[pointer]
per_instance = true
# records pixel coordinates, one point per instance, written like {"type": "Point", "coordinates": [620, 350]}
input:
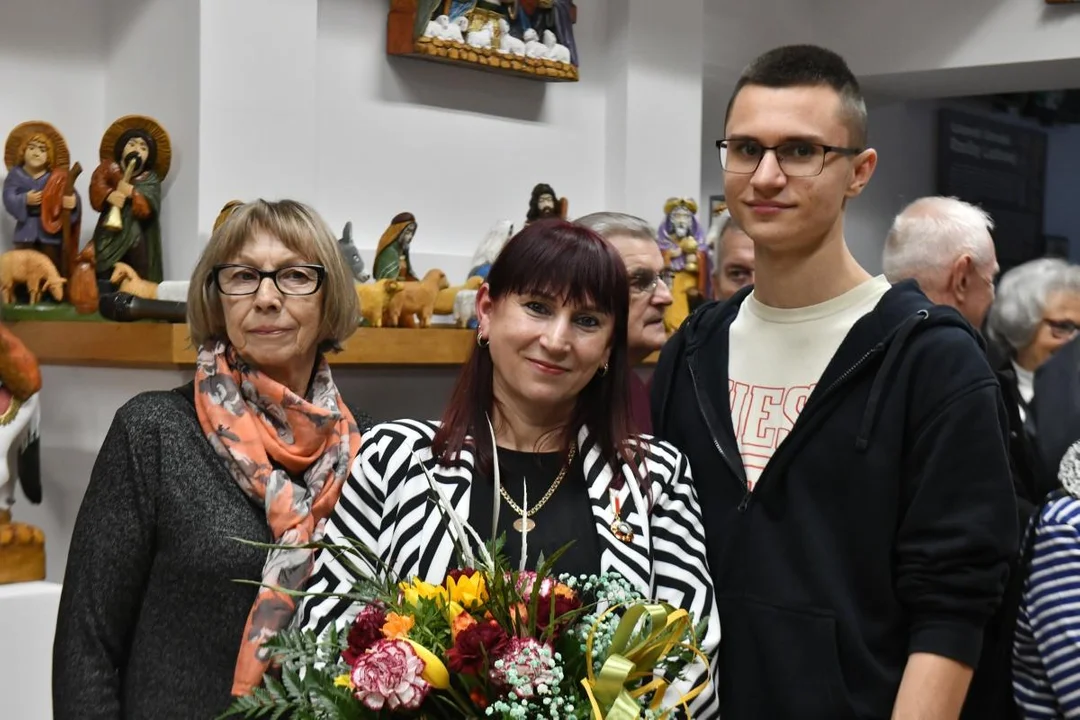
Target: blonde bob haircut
{"type": "Point", "coordinates": [301, 230]}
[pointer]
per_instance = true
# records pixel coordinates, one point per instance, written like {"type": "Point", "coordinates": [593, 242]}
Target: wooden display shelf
{"type": "Point", "coordinates": [166, 345]}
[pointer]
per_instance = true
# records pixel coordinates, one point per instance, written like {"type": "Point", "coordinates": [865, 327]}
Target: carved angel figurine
{"type": "Point", "coordinates": [22, 547]}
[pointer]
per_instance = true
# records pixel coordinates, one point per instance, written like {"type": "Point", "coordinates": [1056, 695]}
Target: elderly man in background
{"type": "Point", "coordinates": [945, 245]}
{"type": "Point", "coordinates": [733, 256]}
{"type": "Point", "coordinates": [650, 295]}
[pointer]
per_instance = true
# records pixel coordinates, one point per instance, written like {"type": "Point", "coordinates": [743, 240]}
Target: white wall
{"type": "Point", "coordinates": [152, 68]}
{"type": "Point", "coordinates": [53, 69]}
{"type": "Point", "coordinates": [459, 149]}
{"type": "Point", "coordinates": [297, 98]}
{"type": "Point", "coordinates": [887, 37]}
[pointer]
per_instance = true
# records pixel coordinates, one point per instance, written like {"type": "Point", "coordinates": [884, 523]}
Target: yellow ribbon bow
{"type": "Point", "coordinates": [632, 657]}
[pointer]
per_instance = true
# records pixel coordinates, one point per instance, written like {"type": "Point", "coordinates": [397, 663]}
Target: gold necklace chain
{"type": "Point", "coordinates": [547, 496]}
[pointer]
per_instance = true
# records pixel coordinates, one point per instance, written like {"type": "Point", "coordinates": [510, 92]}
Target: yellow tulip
{"type": "Point", "coordinates": [468, 590]}
{"type": "Point", "coordinates": [419, 589]}
{"type": "Point", "coordinates": [435, 673]}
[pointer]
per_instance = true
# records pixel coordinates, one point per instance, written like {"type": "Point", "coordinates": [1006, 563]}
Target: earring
{"type": "Point", "coordinates": [602, 371]}
{"type": "Point", "coordinates": [480, 341]}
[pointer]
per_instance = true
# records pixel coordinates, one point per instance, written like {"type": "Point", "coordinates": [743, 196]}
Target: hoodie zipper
{"type": "Point", "coordinates": [740, 473]}
{"type": "Point", "coordinates": [738, 470]}
{"type": "Point", "coordinates": [844, 377]}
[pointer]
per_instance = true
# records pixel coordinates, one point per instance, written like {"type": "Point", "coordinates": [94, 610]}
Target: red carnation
{"type": "Point", "coordinates": [475, 645]}
{"type": "Point", "coordinates": [564, 603]}
{"type": "Point", "coordinates": [366, 630]}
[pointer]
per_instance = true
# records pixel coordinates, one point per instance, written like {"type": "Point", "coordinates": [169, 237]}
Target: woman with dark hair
{"type": "Point", "coordinates": [545, 397]}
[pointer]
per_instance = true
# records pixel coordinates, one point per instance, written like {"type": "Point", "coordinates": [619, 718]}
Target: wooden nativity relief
{"type": "Point", "coordinates": [528, 38]}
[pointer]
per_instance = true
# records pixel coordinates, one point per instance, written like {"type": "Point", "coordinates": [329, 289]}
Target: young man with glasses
{"type": "Point", "coordinates": [850, 460]}
{"type": "Point", "coordinates": [650, 295]}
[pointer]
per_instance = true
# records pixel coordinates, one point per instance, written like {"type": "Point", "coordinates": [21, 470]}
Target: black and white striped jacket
{"type": "Point", "coordinates": [386, 505]}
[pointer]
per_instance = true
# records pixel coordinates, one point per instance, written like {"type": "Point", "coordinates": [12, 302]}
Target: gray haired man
{"type": "Point", "coordinates": [650, 294]}
{"type": "Point", "coordinates": [945, 245]}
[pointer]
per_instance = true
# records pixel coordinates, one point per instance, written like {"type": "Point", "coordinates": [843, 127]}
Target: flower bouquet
{"type": "Point", "coordinates": [488, 641]}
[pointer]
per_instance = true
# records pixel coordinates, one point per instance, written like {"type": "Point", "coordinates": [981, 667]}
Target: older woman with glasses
{"type": "Point", "coordinates": [152, 622]}
{"type": "Point", "coordinates": [1035, 313]}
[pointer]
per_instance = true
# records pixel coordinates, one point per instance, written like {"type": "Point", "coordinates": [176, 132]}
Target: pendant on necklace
{"type": "Point", "coordinates": [622, 530]}
{"type": "Point", "coordinates": [529, 524]}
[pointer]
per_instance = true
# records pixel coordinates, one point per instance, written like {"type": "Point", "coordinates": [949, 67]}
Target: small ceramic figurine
{"type": "Point", "coordinates": [22, 547]}
{"type": "Point", "coordinates": [682, 243]}
{"type": "Point", "coordinates": [125, 188]}
{"type": "Point", "coordinates": [415, 303]}
{"type": "Point", "coordinates": [556, 17]}
{"type": "Point", "coordinates": [39, 191]}
{"type": "Point", "coordinates": [352, 255]}
{"type": "Point", "coordinates": [392, 254]}
{"type": "Point", "coordinates": [545, 203]}
{"type": "Point", "coordinates": [34, 270]}
{"type": "Point", "coordinates": [490, 247]}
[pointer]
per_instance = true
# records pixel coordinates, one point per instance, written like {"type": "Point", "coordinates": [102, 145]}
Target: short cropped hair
{"type": "Point", "coordinates": [613, 224]}
{"type": "Point", "coordinates": [930, 234]}
{"type": "Point", "coordinates": [809, 65]}
{"type": "Point", "coordinates": [723, 224]}
{"type": "Point", "coordinates": [1021, 300]}
{"type": "Point", "coordinates": [301, 230]}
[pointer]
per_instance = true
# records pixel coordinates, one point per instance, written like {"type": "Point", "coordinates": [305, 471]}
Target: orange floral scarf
{"type": "Point", "coordinates": [251, 420]}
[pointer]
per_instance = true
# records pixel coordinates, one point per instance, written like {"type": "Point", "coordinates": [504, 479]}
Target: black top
{"type": "Point", "coordinates": [882, 526]}
{"type": "Point", "coordinates": [151, 615]}
{"type": "Point", "coordinates": [566, 516]}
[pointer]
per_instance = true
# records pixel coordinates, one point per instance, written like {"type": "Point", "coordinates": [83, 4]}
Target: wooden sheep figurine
{"type": "Point", "coordinates": [444, 301]}
{"type": "Point", "coordinates": [33, 269]}
{"type": "Point", "coordinates": [374, 298]}
{"type": "Point", "coordinates": [416, 301]}
{"type": "Point", "coordinates": [129, 281]}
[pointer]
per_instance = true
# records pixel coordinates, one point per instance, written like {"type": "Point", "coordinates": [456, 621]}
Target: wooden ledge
{"type": "Point", "coordinates": [167, 346]}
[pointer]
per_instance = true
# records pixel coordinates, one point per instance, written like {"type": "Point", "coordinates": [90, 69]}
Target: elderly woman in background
{"type": "Point", "coordinates": [152, 622]}
{"type": "Point", "coordinates": [1046, 651]}
{"type": "Point", "coordinates": [1035, 313]}
{"type": "Point", "coordinates": [550, 374]}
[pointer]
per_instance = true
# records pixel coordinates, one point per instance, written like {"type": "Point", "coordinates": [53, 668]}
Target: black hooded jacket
{"type": "Point", "coordinates": [882, 525]}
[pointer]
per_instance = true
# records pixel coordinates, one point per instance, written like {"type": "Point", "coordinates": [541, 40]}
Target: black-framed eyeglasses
{"type": "Point", "coordinates": [796, 158]}
{"type": "Point", "coordinates": [234, 279]}
{"type": "Point", "coordinates": [1062, 329]}
{"type": "Point", "coordinates": [645, 281]}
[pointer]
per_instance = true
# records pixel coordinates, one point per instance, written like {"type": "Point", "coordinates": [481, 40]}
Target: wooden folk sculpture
{"type": "Point", "coordinates": [392, 254]}
{"type": "Point", "coordinates": [544, 202]}
{"type": "Point", "coordinates": [125, 188]}
{"type": "Point", "coordinates": [682, 243]}
{"type": "Point", "coordinates": [39, 192]}
{"type": "Point", "coordinates": [22, 546]}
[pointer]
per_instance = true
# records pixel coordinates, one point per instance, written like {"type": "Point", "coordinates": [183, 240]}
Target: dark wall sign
{"type": "Point", "coordinates": [1002, 168]}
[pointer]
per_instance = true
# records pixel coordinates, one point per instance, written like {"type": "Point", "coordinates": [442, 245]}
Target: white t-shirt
{"type": "Point", "coordinates": [777, 357]}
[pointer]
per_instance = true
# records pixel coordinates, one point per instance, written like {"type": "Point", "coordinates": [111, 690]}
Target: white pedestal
{"type": "Point", "coordinates": [27, 625]}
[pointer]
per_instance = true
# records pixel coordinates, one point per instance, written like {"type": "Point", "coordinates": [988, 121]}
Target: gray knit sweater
{"type": "Point", "coordinates": [150, 614]}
